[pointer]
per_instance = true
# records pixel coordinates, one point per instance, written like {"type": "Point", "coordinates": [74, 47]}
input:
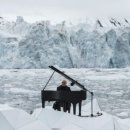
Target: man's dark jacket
{"type": "Point", "coordinates": [63, 88]}
{"type": "Point", "coordinates": [57, 104]}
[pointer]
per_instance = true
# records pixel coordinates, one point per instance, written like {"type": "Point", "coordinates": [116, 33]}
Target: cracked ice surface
{"type": "Point", "coordinates": [21, 88]}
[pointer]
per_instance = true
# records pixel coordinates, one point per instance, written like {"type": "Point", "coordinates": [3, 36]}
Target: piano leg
{"type": "Point", "coordinates": [74, 108]}
{"type": "Point", "coordinates": [68, 107]}
{"type": "Point", "coordinates": [80, 108]}
{"type": "Point", "coordinates": [64, 107]}
{"type": "Point", "coordinates": [43, 104]}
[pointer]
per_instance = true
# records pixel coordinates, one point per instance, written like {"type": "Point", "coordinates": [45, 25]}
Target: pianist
{"type": "Point", "coordinates": [63, 86]}
{"type": "Point", "coordinates": [66, 106]}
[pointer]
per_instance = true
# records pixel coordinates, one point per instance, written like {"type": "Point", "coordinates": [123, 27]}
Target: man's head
{"type": "Point", "coordinates": [64, 83]}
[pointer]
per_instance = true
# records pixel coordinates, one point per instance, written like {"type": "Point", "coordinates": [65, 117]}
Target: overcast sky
{"type": "Point", "coordinates": [58, 10]}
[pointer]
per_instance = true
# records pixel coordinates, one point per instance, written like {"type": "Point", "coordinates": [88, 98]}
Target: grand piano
{"type": "Point", "coordinates": [73, 97]}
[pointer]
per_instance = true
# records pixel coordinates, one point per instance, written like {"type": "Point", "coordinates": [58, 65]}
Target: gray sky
{"type": "Point", "coordinates": [58, 10]}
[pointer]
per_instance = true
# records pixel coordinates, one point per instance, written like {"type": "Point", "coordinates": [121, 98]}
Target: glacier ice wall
{"type": "Point", "coordinates": [101, 43]}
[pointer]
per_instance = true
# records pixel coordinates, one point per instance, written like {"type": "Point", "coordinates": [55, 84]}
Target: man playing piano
{"type": "Point", "coordinates": [63, 86]}
{"type": "Point", "coordinates": [66, 105]}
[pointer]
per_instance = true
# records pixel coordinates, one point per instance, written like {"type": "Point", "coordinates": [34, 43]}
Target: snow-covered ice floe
{"type": "Point", "coordinates": [64, 121]}
{"type": "Point", "coordinates": [17, 119]}
{"type": "Point", "coordinates": [48, 119]}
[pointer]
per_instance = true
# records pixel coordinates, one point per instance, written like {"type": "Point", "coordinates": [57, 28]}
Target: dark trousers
{"type": "Point", "coordinates": [66, 106]}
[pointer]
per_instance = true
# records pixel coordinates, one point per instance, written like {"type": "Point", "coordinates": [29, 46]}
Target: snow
{"type": "Point", "coordinates": [34, 125]}
{"type": "Point", "coordinates": [5, 107]}
{"type": "Point", "coordinates": [124, 123]}
{"type": "Point", "coordinates": [16, 119]}
{"type": "Point", "coordinates": [61, 120]}
{"type": "Point", "coordinates": [88, 44]}
{"type": "Point", "coordinates": [11, 118]}
{"type": "Point", "coordinates": [123, 114]}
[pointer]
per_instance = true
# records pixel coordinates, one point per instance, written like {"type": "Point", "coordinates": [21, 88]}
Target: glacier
{"type": "Point", "coordinates": [94, 43]}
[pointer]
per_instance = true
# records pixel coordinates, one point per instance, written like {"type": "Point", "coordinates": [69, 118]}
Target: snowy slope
{"type": "Point", "coordinates": [94, 43]}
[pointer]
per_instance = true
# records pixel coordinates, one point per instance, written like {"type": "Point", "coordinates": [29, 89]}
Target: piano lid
{"type": "Point", "coordinates": [69, 78]}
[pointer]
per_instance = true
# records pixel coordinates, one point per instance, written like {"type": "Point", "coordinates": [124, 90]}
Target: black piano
{"type": "Point", "coordinates": [73, 97]}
